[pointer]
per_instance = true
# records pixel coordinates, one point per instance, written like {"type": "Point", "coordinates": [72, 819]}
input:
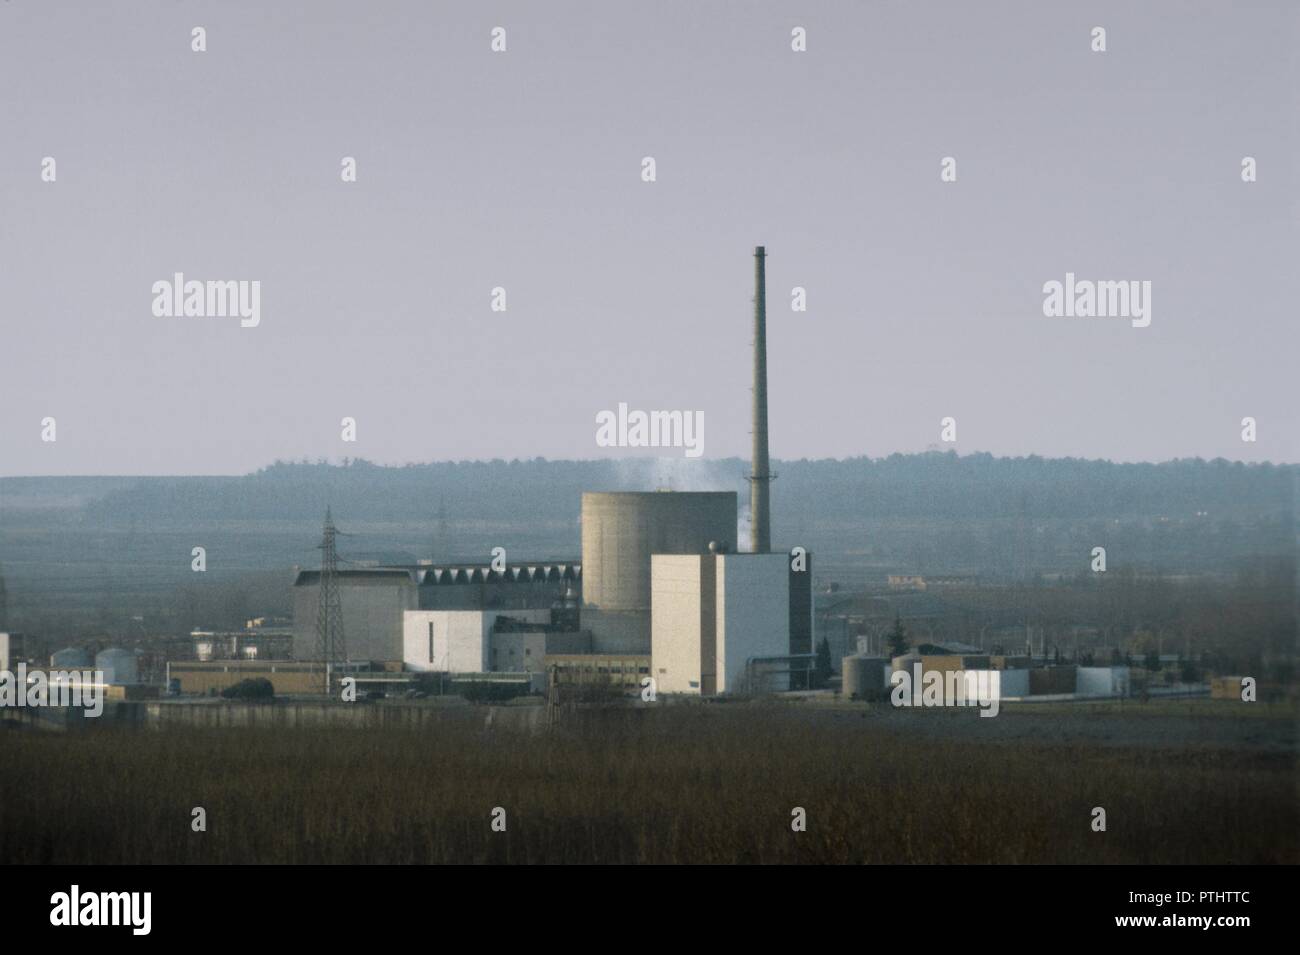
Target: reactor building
{"type": "Point", "coordinates": [621, 531]}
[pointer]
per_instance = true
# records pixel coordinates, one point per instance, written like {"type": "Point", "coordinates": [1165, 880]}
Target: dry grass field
{"type": "Point", "coordinates": [688, 784]}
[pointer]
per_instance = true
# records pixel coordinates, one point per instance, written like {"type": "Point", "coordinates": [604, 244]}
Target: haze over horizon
{"type": "Point", "coordinates": [677, 465]}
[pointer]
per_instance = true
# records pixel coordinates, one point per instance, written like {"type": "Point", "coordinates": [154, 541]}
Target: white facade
{"type": "Point", "coordinates": [678, 605]}
{"type": "Point", "coordinates": [1102, 681]}
{"type": "Point", "coordinates": [714, 616]}
{"type": "Point", "coordinates": [455, 641]}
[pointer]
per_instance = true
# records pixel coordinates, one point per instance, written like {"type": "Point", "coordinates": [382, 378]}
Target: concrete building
{"type": "Point", "coordinates": [620, 532]}
{"type": "Point", "coordinates": [210, 678]}
{"type": "Point", "coordinates": [374, 600]}
{"type": "Point", "coordinates": [721, 623]}
{"type": "Point", "coordinates": [1102, 681]}
{"type": "Point", "coordinates": [483, 641]}
{"type": "Point", "coordinates": [455, 641]}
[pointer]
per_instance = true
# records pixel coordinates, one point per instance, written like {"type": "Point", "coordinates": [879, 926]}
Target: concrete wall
{"type": "Point", "coordinates": [710, 615]}
{"type": "Point", "coordinates": [459, 640]}
{"type": "Point", "coordinates": [618, 631]}
{"type": "Point", "coordinates": [463, 642]}
{"type": "Point", "coordinates": [753, 618]}
{"type": "Point", "coordinates": [519, 651]}
{"type": "Point", "coordinates": [677, 623]}
{"type": "Point", "coordinates": [372, 615]}
{"type": "Point", "coordinates": [620, 532]}
{"type": "Point", "coordinates": [1102, 681]}
{"type": "Point", "coordinates": [526, 651]}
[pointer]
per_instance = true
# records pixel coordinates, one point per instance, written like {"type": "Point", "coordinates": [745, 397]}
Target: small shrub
{"type": "Point", "coordinates": [254, 688]}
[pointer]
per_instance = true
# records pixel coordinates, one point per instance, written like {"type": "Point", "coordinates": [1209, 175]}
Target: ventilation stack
{"type": "Point", "coordinates": [760, 478]}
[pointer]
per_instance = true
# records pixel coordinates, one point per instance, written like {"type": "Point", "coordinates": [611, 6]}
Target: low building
{"type": "Point", "coordinates": [1102, 681]}
{"type": "Point", "coordinates": [207, 679]}
{"type": "Point", "coordinates": [485, 641]}
{"type": "Point", "coordinates": [569, 669]}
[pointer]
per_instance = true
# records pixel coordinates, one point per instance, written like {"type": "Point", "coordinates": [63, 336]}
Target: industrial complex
{"type": "Point", "coordinates": [660, 579]}
{"type": "Point", "coordinates": [663, 598]}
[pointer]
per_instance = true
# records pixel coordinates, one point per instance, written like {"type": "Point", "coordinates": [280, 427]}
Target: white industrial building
{"type": "Point", "coordinates": [1102, 681]}
{"type": "Point", "coordinates": [720, 622]}
{"type": "Point", "coordinates": [456, 641]}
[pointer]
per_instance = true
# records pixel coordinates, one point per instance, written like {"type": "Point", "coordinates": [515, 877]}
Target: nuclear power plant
{"type": "Point", "coordinates": [662, 589]}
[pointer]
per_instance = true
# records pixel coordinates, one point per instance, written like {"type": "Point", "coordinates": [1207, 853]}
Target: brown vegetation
{"type": "Point", "coordinates": [677, 784]}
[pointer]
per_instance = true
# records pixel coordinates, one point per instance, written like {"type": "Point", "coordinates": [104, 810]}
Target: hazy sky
{"type": "Point", "coordinates": [523, 170]}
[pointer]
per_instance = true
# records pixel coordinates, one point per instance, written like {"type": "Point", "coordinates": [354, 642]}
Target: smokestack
{"type": "Point", "coordinates": [760, 477]}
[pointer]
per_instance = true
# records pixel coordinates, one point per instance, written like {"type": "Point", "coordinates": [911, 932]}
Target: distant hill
{"type": "Point", "coordinates": [931, 485]}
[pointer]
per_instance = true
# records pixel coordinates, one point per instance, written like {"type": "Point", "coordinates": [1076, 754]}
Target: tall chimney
{"type": "Point", "coordinates": [760, 477]}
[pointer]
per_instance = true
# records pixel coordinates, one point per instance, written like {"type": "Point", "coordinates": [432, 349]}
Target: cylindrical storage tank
{"type": "Point", "coordinates": [71, 658]}
{"type": "Point", "coordinates": [117, 665]}
{"type": "Point", "coordinates": [863, 677]}
{"type": "Point", "coordinates": [620, 530]}
{"type": "Point", "coordinates": [853, 677]}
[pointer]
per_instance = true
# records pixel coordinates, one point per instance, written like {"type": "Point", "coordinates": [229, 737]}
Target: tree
{"type": "Point", "coordinates": [822, 665]}
{"type": "Point", "coordinates": [253, 688]}
{"type": "Point", "coordinates": [897, 638]}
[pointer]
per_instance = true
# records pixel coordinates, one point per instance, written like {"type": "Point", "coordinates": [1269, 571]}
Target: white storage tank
{"type": "Point", "coordinates": [71, 658]}
{"type": "Point", "coordinates": [863, 677]}
{"type": "Point", "coordinates": [118, 666]}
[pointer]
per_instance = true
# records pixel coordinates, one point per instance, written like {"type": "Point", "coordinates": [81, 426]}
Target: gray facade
{"type": "Point", "coordinates": [373, 601]}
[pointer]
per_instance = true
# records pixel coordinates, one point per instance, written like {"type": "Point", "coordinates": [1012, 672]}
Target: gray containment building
{"type": "Point", "coordinates": [620, 530]}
